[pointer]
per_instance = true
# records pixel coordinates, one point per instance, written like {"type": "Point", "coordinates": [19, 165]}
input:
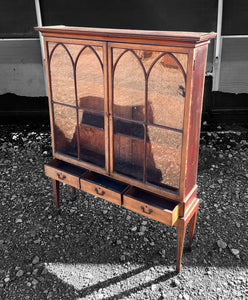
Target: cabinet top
{"type": "Point", "coordinates": [109, 34]}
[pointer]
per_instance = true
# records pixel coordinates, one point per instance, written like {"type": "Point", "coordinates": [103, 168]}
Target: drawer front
{"type": "Point", "coordinates": [62, 176]}
{"type": "Point", "coordinates": [168, 217]}
{"type": "Point", "coordinates": [100, 191]}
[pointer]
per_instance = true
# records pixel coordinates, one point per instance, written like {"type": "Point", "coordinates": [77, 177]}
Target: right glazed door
{"type": "Point", "coordinates": [147, 103]}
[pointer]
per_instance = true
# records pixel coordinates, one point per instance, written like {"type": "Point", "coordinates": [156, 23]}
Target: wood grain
{"type": "Point", "coordinates": [62, 176]}
{"type": "Point", "coordinates": [162, 215]}
{"type": "Point", "coordinates": [194, 37]}
{"type": "Point", "coordinates": [136, 121]}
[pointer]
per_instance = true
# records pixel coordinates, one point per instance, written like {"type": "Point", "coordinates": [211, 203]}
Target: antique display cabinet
{"type": "Point", "coordinates": [125, 111]}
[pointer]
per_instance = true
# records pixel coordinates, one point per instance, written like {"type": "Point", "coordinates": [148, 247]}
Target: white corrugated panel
{"type": "Point", "coordinates": [21, 69]}
{"type": "Point", "coordinates": [234, 65]}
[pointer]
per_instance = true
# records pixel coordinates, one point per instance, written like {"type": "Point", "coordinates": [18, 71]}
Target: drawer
{"type": "Point", "coordinates": [64, 172]}
{"type": "Point", "coordinates": [103, 187]}
{"type": "Point", "coordinates": [151, 205]}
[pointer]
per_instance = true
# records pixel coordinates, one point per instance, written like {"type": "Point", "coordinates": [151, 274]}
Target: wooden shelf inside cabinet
{"type": "Point", "coordinates": [125, 112]}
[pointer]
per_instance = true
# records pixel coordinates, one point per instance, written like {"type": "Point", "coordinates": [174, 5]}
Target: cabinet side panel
{"type": "Point", "coordinates": [195, 117]}
{"type": "Point", "coordinates": [49, 92]}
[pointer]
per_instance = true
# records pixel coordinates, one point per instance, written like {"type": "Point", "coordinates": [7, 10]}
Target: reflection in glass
{"type": "Point", "coordinates": [65, 125]}
{"type": "Point", "coordinates": [90, 91]}
{"type": "Point", "coordinates": [183, 59]}
{"type": "Point", "coordinates": [92, 137]}
{"type": "Point", "coordinates": [147, 57]}
{"type": "Point", "coordinates": [166, 93]}
{"type": "Point", "coordinates": [163, 154]}
{"type": "Point", "coordinates": [164, 75]}
{"type": "Point", "coordinates": [116, 52]}
{"type": "Point", "coordinates": [129, 88]}
{"type": "Point", "coordinates": [62, 76]}
{"type": "Point", "coordinates": [89, 74]}
{"type": "Point", "coordinates": [50, 46]}
{"type": "Point", "coordinates": [129, 149]}
{"type": "Point", "coordinates": [74, 50]}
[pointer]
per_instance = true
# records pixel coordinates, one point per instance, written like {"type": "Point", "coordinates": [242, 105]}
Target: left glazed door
{"type": "Point", "coordinates": [78, 103]}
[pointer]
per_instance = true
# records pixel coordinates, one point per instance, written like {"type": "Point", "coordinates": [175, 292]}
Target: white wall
{"type": "Point", "coordinates": [21, 70]}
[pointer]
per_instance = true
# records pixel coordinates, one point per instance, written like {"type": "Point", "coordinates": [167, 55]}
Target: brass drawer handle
{"type": "Point", "coordinates": [101, 192]}
{"type": "Point", "coordinates": [61, 176]}
{"type": "Point", "coordinates": [146, 212]}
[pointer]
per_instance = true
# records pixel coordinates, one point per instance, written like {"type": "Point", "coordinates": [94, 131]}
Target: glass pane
{"type": "Point", "coordinates": [163, 159]}
{"type": "Point", "coordinates": [89, 76]}
{"type": "Point", "coordinates": [183, 59]}
{"type": "Point", "coordinates": [51, 45]}
{"type": "Point", "coordinates": [65, 129]}
{"type": "Point", "coordinates": [62, 76]}
{"type": "Point", "coordinates": [166, 92]}
{"type": "Point", "coordinates": [129, 149]}
{"type": "Point", "coordinates": [147, 57]}
{"type": "Point", "coordinates": [116, 52]}
{"type": "Point", "coordinates": [74, 50]}
{"type": "Point", "coordinates": [92, 138]}
{"type": "Point", "coordinates": [129, 88]}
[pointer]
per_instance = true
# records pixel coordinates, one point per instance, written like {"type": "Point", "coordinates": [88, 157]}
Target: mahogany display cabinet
{"type": "Point", "coordinates": [125, 112]}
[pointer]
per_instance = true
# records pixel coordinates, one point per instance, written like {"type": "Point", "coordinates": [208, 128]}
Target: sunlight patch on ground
{"type": "Point", "coordinates": [84, 275]}
{"type": "Point", "coordinates": [120, 281]}
{"type": "Point", "coordinates": [103, 280]}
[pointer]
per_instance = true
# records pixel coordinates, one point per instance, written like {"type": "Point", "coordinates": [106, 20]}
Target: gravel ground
{"type": "Point", "coordinates": [96, 250]}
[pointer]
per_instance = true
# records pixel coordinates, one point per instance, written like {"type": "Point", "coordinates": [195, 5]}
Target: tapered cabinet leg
{"type": "Point", "coordinates": [56, 193]}
{"type": "Point", "coordinates": [192, 224]}
{"type": "Point", "coordinates": [181, 229]}
{"type": "Point", "coordinates": [74, 194]}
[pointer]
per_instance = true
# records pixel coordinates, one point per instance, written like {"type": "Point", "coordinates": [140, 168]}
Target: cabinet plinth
{"type": "Point", "coordinates": [125, 110]}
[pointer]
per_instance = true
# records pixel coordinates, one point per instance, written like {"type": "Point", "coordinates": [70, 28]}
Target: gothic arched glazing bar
{"type": "Point", "coordinates": [144, 91]}
{"type": "Point", "coordinates": [50, 60]}
{"type": "Point", "coordinates": [148, 74]}
{"type": "Point", "coordinates": [146, 101]}
{"type": "Point", "coordinates": [133, 52]}
{"type": "Point", "coordinates": [68, 52]}
{"type": "Point", "coordinates": [173, 57]}
{"type": "Point", "coordinates": [93, 50]}
{"type": "Point", "coordinates": [140, 62]}
{"type": "Point", "coordinates": [76, 86]}
{"type": "Point", "coordinates": [74, 79]}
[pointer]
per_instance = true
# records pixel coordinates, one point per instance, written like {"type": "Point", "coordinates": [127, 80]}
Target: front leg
{"type": "Point", "coordinates": [56, 193]}
{"type": "Point", "coordinates": [192, 224]}
{"type": "Point", "coordinates": [181, 230]}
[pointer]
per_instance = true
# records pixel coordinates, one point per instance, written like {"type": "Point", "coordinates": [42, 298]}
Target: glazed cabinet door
{"type": "Point", "coordinates": [147, 101]}
{"type": "Point", "coordinates": [78, 101]}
